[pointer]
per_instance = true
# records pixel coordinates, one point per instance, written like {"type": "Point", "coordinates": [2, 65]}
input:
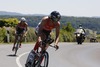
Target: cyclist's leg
{"type": "Point", "coordinates": [16, 36]}
{"type": "Point", "coordinates": [42, 50]}
{"type": "Point", "coordinates": [38, 43]}
{"type": "Point", "coordinates": [47, 35]}
{"type": "Point", "coordinates": [36, 46]}
{"type": "Point", "coordinates": [21, 37]}
{"type": "Point", "coordinates": [44, 45]}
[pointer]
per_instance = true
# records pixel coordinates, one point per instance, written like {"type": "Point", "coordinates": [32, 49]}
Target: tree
{"type": "Point", "coordinates": [69, 27]}
{"type": "Point", "coordinates": [66, 33]}
{"type": "Point", "coordinates": [9, 22]}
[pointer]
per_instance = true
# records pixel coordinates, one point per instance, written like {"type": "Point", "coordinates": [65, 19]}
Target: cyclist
{"type": "Point", "coordinates": [43, 30]}
{"type": "Point", "coordinates": [45, 27]}
{"type": "Point", "coordinates": [21, 29]}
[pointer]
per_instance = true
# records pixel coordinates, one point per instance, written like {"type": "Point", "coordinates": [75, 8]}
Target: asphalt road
{"type": "Point", "coordinates": [69, 55]}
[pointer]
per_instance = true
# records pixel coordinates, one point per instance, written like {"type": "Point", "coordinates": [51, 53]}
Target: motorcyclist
{"type": "Point", "coordinates": [81, 30]}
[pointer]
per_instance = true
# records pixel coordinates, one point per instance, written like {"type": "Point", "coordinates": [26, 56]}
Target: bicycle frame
{"type": "Point", "coordinates": [44, 56]}
{"type": "Point", "coordinates": [40, 57]}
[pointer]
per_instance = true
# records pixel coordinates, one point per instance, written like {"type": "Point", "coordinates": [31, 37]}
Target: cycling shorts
{"type": "Point", "coordinates": [20, 31]}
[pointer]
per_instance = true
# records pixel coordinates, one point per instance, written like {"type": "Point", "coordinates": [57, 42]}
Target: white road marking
{"type": "Point", "coordinates": [18, 59]}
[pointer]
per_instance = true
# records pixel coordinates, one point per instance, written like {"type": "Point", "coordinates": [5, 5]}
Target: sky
{"type": "Point", "coordinates": [87, 8]}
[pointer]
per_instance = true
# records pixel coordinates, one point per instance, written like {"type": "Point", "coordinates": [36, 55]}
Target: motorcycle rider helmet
{"type": "Point", "coordinates": [80, 25]}
{"type": "Point", "coordinates": [55, 16]}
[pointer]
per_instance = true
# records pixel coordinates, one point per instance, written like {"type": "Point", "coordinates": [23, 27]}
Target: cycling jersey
{"type": "Point", "coordinates": [48, 26]}
{"type": "Point", "coordinates": [21, 28]}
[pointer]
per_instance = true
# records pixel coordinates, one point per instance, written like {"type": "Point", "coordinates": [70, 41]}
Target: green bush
{"type": "Point", "coordinates": [2, 34]}
{"type": "Point", "coordinates": [12, 22]}
{"type": "Point", "coordinates": [66, 33]}
{"type": "Point", "coordinates": [31, 36]}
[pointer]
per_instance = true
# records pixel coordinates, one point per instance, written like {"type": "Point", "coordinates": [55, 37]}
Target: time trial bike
{"type": "Point", "coordinates": [39, 58]}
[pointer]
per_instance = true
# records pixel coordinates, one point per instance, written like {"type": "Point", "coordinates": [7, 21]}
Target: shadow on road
{"type": "Point", "coordinates": [12, 55]}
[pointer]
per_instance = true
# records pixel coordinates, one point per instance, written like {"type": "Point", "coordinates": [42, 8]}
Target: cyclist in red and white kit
{"type": "Point", "coordinates": [43, 31]}
{"type": "Point", "coordinates": [21, 29]}
{"type": "Point", "coordinates": [44, 28]}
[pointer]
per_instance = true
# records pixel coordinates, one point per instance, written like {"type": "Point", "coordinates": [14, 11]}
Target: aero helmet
{"type": "Point", "coordinates": [55, 16]}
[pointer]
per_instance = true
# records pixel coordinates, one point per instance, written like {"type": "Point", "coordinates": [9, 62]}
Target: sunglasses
{"type": "Point", "coordinates": [55, 19]}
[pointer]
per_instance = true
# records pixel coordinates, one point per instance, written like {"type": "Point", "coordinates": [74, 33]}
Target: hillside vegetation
{"type": "Point", "coordinates": [87, 22]}
{"type": "Point", "coordinates": [68, 26]}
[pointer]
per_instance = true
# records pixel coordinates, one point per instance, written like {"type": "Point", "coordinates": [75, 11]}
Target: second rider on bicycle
{"type": "Point", "coordinates": [21, 29]}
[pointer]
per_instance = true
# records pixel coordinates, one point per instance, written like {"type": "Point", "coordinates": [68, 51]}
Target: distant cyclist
{"type": "Point", "coordinates": [21, 29]}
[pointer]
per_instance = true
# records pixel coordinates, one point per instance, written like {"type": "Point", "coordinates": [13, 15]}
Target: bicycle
{"type": "Point", "coordinates": [17, 45]}
{"type": "Point", "coordinates": [40, 58]}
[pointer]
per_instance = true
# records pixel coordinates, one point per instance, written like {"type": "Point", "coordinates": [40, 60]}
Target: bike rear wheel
{"type": "Point", "coordinates": [17, 44]}
{"type": "Point", "coordinates": [42, 61]}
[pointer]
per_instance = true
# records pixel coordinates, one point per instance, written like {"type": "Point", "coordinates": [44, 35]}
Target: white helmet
{"type": "Point", "coordinates": [23, 19]}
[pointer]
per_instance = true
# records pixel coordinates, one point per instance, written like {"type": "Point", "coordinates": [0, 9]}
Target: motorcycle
{"type": "Point", "coordinates": [80, 38]}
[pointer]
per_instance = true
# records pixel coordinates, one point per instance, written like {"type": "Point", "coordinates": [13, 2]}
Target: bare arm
{"type": "Point", "coordinates": [26, 27]}
{"type": "Point", "coordinates": [26, 30]}
{"type": "Point", "coordinates": [40, 29]}
{"type": "Point", "coordinates": [57, 35]}
{"type": "Point", "coordinates": [16, 28]}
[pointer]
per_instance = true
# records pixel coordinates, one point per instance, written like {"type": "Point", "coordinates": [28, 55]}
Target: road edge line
{"type": "Point", "coordinates": [18, 59]}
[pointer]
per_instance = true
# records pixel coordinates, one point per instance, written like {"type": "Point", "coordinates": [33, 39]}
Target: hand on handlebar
{"type": "Point", "coordinates": [24, 34]}
{"type": "Point", "coordinates": [56, 46]}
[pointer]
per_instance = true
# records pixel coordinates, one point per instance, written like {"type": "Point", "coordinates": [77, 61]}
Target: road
{"type": "Point", "coordinates": [69, 55]}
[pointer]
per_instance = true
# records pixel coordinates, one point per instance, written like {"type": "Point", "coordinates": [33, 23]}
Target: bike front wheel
{"type": "Point", "coordinates": [42, 61]}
